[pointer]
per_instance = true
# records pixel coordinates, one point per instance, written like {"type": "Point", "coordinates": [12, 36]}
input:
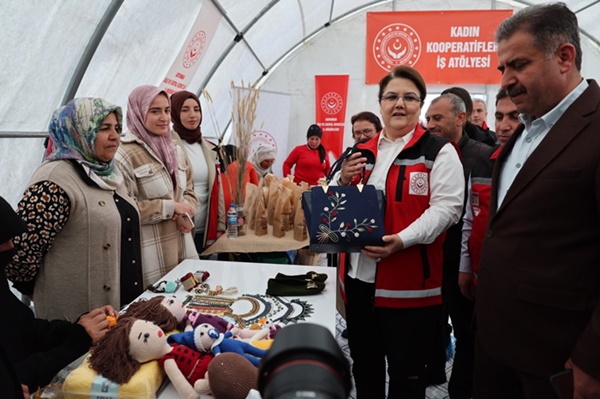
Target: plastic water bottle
{"type": "Point", "coordinates": [232, 222]}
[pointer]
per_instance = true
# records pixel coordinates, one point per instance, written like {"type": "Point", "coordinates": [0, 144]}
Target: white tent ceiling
{"type": "Point", "coordinates": [53, 50]}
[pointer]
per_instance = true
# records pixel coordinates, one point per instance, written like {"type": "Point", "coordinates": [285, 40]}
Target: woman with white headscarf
{"type": "Point", "coordinates": [263, 159]}
{"type": "Point", "coordinates": [159, 178]}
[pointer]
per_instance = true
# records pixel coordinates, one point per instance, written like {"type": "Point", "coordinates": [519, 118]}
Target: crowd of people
{"type": "Point", "coordinates": [496, 231]}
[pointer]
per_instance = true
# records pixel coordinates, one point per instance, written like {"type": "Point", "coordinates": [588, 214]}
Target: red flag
{"type": "Point", "coordinates": [331, 92]}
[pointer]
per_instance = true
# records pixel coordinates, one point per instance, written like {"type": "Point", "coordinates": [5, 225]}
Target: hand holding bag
{"type": "Point", "coordinates": [343, 218]}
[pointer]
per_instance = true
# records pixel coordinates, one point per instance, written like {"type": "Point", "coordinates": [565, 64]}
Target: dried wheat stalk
{"type": "Point", "coordinates": [243, 116]}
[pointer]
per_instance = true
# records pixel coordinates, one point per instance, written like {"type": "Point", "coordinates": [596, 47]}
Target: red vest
{"type": "Point", "coordinates": [412, 277]}
{"type": "Point", "coordinates": [481, 182]}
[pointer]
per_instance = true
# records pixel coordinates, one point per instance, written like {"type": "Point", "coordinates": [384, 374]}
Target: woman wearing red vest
{"type": "Point", "coordinates": [393, 292]}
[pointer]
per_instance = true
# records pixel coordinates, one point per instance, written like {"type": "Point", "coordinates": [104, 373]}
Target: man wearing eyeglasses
{"type": "Point", "coordinates": [365, 125]}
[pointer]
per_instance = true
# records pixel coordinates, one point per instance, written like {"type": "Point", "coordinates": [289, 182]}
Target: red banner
{"type": "Point", "coordinates": [331, 92]}
{"type": "Point", "coordinates": [447, 47]}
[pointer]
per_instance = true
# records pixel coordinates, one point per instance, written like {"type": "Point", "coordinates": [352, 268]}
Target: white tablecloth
{"type": "Point", "coordinates": [251, 278]}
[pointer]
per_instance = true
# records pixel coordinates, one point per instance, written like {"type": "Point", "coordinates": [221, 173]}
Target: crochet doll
{"type": "Point", "coordinates": [231, 376]}
{"type": "Point", "coordinates": [166, 311]}
{"type": "Point", "coordinates": [193, 318]}
{"type": "Point", "coordinates": [132, 342]}
{"type": "Point", "coordinates": [206, 338]}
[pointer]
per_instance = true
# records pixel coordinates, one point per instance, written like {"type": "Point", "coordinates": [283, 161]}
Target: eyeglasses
{"type": "Point", "coordinates": [407, 98]}
{"type": "Point", "coordinates": [364, 132]}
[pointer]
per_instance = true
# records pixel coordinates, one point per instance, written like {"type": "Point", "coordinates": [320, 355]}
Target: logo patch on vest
{"type": "Point", "coordinates": [419, 183]}
{"type": "Point", "coordinates": [475, 203]}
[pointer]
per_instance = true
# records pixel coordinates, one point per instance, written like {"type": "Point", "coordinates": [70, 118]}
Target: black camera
{"type": "Point", "coordinates": [305, 361]}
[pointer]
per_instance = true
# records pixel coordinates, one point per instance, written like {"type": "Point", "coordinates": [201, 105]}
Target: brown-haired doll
{"type": "Point", "coordinates": [166, 311]}
{"type": "Point", "coordinates": [133, 342]}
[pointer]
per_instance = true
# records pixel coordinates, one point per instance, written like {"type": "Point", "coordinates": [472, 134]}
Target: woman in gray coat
{"type": "Point", "coordinates": [82, 245]}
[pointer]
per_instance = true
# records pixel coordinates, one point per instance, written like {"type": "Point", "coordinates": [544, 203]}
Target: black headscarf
{"type": "Point", "coordinates": [315, 130]}
{"type": "Point", "coordinates": [177, 100]}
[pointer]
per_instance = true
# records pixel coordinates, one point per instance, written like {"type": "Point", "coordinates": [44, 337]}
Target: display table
{"type": "Point", "coordinates": [250, 242]}
{"type": "Point", "coordinates": [251, 278]}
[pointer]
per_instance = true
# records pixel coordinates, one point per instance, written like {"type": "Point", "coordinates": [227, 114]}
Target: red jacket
{"type": "Point", "coordinates": [412, 277]}
{"type": "Point", "coordinates": [481, 183]}
{"type": "Point", "coordinates": [309, 167]}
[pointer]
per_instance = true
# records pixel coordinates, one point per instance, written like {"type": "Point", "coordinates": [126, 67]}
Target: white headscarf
{"type": "Point", "coordinates": [260, 154]}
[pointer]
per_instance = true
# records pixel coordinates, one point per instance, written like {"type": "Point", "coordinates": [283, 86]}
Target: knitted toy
{"type": "Point", "coordinates": [166, 311]}
{"type": "Point", "coordinates": [119, 354]}
{"type": "Point", "coordinates": [206, 338]}
{"type": "Point", "coordinates": [193, 318]}
{"type": "Point", "coordinates": [265, 328]}
{"type": "Point", "coordinates": [231, 376]}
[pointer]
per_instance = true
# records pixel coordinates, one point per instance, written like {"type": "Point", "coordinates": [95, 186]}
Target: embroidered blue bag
{"type": "Point", "coordinates": [343, 218]}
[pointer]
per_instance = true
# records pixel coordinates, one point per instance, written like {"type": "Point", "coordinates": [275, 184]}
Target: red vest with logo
{"type": "Point", "coordinates": [412, 277]}
{"type": "Point", "coordinates": [481, 182]}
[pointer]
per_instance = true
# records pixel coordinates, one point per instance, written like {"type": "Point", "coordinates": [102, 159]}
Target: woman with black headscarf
{"type": "Point", "coordinates": [310, 159]}
{"type": "Point", "coordinates": [33, 350]}
{"type": "Point", "coordinates": [186, 114]}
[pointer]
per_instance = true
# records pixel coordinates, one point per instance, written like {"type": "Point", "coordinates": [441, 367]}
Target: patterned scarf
{"type": "Point", "coordinates": [177, 100]}
{"type": "Point", "coordinates": [163, 147]}
{"type": "Point", "coordinates": [73, 130]}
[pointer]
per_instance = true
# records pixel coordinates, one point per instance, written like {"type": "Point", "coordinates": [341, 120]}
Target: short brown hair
{"type": "Point", "coordinates": [369, 117]}
{"type": "Point", "coordinates": [404, 72]}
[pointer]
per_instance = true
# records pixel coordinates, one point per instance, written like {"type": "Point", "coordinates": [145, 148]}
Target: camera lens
{"type": "Point", "coordinates": [304, 361]}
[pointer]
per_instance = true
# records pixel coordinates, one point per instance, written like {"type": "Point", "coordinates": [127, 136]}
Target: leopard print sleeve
{"type": "Point", "coordinates": [45, 207]}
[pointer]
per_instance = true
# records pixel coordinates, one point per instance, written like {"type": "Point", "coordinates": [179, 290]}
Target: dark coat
{"type": "Point", "coordinates": [479, 134]}
{"type": "Point", "coordinates": [32, 350]}
{"type": "Point", "coordinates": [539, 283]}
{"type": "Point", "coordinates": [470, 151]}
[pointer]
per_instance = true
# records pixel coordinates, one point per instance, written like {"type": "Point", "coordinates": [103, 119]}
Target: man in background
{"type": "Point", "coordinates": [478, 196]}
{"type": "Point", "coordinates": [473, 131]}
{"type": "Point", "coordinates": [445, 117]}
{"type": "Point", "coordinates": [479, 114]}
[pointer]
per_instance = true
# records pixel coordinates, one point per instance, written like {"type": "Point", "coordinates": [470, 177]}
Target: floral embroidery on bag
{"type": "Point", "coordinates": [330, 230]}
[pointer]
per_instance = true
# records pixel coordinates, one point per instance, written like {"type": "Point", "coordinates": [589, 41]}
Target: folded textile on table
{"type": "Point", "coordinates": [310, 283]}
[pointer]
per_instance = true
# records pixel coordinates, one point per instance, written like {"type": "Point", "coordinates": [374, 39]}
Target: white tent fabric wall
{"type": "Point", "coordinates": [43, 41]}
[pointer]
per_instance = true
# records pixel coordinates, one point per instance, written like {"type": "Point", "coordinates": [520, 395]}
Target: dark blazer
{"type": "Point", "coordinates": [539, 283]}
{"type": "Point", "coordinates": [32, 350]}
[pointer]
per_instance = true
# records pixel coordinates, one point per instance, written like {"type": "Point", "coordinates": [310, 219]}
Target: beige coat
{"type": "Point", "coordinates": [82, 269]}
{"type": "Point", "coordinates": [149, 183]}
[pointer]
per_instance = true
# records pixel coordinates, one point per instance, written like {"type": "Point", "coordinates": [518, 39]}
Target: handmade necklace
{"type": "Point", "coordinates": [266, 308]}
{"type": "Point", "coordinates": [305, 310]}
{"type": "Point", "coordinates": [209, 304]}
{"type": "Point", "coordinates": [204, 288]}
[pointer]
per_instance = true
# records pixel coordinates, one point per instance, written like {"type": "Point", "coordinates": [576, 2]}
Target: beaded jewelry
{"type": "Point", "coordinates": [288, 311]}
{"type": "Point", "coordinates": [209, 304]}
{"type": "Point", "coordinates": [266, 306]}
{"type": "Point", "coordinates": [223, 306]}
{"type": "Point", "coordinates": [306, 310]}
{"type": "Point", "coordinates": [204, 288]}
{"type": "Point", "coordinates": [261, 306]}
